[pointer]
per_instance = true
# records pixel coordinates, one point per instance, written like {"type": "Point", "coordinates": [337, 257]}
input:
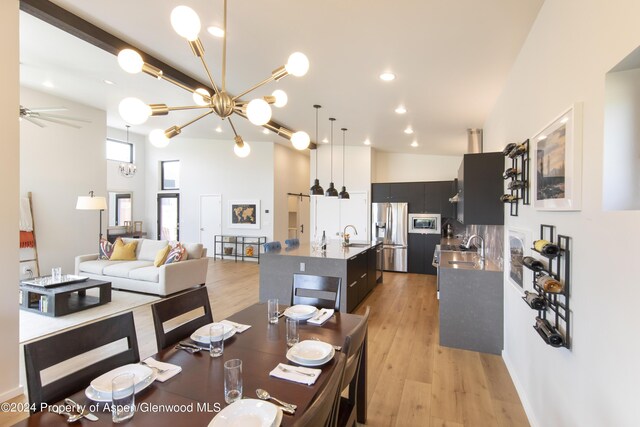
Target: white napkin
{"type": "Point", "coordinates": [294, 374]}
{"type": "Point", "coordinates": [172, 370]}
{"type": "Point", "coordinates": [325, 314]}
{"type": "Point", "coordinates": [240, 328]}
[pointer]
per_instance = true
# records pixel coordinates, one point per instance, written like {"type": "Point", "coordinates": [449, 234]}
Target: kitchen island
{"type": "Point", "coordinates": [359, 266]}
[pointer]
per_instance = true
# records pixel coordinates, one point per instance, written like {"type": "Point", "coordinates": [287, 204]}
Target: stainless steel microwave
{"type": "Point", "coordinates": [424, 223]}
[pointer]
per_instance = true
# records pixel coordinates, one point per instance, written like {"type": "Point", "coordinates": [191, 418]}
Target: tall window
{"type": "Point", "coordinates": [119, 151]}
{"type": "Point", "coordinates": [170, 174]}
{"type": "Point", "coordinates": [123, 208]}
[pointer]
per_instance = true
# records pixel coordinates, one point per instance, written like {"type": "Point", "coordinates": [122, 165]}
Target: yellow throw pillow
{"type": "Point", "coordinates": [161, 256]}
{"type": "Point", "coordinates": [122, 252]}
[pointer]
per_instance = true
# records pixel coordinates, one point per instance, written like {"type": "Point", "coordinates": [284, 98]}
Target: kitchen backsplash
{"type": "Point", "coordinates": [493, 236]}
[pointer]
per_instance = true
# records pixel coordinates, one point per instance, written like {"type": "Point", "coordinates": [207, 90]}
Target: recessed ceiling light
{"type": "Point", "coordinates": [215, 31]}
{"type": "Point", "coordinates": [414, 144]}
{"type": "Point", "coordinates": [401, 110]}
{"type": "Point", "coordinates": [265, 131]}
{"type": "Point", "coordinates": [408, 130]}
{"type": "Point", "coordinates": [541, 137]}
{"type": "Point", "coordinates": [219, 129]}
{"type": "Point", "coordinates": [367, 142]}
{"type": "Point", "coordinates": [325, 141]}
{"type": "Point", "coordinates": [565, 120]}
{"type": "Point", "coordinates": [109, 82]}
{"type": "Point", "coordinates": [387, 77]}
{"type": "Point", "coordinates": [47, 84]}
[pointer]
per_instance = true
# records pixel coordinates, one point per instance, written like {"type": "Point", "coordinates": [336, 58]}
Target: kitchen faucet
{"type": "Point", "coordinates": [468, 245]}
{"type": "Point", "coordinates": [345, 236]}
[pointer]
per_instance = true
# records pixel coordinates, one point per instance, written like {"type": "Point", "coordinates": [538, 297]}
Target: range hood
{"type": "Point", "coordinates": [474, 145]}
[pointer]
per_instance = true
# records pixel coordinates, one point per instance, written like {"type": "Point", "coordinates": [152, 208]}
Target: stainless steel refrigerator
{"type": "Point", "coordinates": [389, 223]}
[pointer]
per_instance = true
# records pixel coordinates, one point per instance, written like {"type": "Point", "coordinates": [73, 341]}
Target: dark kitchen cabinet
{"type": "Point", "coordinates": [480, 186]}
{"type": "Point", "coordinates": [380, 193]}
{"type": "Point", "coordinates": [400, 192]}
{"type": "Point", "coordinates": [356, 279]}
{"type": "Point", "coordinates": [372, 258]}
{"type": "Point", "coordinates": [420, 254]}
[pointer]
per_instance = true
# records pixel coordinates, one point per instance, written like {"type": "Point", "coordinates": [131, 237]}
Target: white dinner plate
{"type": "Point", "coordinates": [248, 413]}
{"type": "Point", "coordinates": [98, 396]}
{"type": "Point", "coordinates": [301, 312]}
{"type": "Point", "coordinates": [311, 353]}
{"type": "Point", "coordinates": [103, 382]}
{"type": "Point", "coordinates": [201, 335]}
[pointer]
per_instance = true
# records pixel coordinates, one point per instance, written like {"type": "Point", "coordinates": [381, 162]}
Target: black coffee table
{"type": "Point", "coordinates": [64, 299]}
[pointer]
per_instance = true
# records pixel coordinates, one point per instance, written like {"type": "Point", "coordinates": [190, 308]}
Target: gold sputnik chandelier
{"type": "Point", "coordinates": [186, 23]}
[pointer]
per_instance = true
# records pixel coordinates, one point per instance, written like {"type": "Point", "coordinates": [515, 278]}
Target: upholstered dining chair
{"type": "Point", "coordinates": [353, 348]}
{"type": "Point", "coordinates": [319, 291]}
{"type": "Point", "coordinates": [171, 308]}
{"type": "Point", "coordinates": [272, 246]}
{"type": "Point", "coordinates": [51, 351]}
{"type": "Point", "coordinates": [292, 242]}
{"type": "Point", "coordinates": [322, 412]}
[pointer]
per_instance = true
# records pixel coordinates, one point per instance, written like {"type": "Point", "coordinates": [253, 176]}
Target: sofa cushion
{"type": "Point", "coordinates": [194, 250]}
{"type": "Point", "coordinates": [123, 251]}
{"type": "Point", "coordinates": [147, 274]}
{"type": "Point", "coordinates": [138, 244]}
{"type": "Point", "coordinates": [177, 254]}
{"type": "Point", "coordinates": [161, 256]}
{"type": "Point", "coordinates": [149, 248]}
{"type": "Point", "coordinates": [106, 249]}
{"type": "Point", "coordinates": [95, 266]}
{"type": "Point", "coordinates": [123, 268]}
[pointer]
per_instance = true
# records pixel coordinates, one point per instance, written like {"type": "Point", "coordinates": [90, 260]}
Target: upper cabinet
{"type": "Point", "coordinates": [431, 197]}
{"type": "Point", "coordinates": [480, 185]}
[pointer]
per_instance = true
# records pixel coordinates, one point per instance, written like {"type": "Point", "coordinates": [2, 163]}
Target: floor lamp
{"type": "Point", "coordinates": [92, 203]}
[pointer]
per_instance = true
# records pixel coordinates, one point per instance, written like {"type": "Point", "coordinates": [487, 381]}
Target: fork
{"type": "Point", "coordinates": [292, 371]}
{"type": "Point", "coordinates": [70, 417]}
{"type": "Point", "coordinates": [335, 347]}
{"type": "Point", "coordinates": [187, 349]}
{"type": "Point", "coordinates": [159, 370]}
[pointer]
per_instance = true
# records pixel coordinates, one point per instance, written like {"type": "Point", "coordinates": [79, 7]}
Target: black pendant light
{"type": "Point", "coordinates": [316, 189]}
{"type": "Point", "coordinates": [343, 193]}
{"type": "Point", "coordinates": [331, 191]}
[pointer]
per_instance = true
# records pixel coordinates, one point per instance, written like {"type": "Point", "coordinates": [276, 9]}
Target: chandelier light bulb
{"type": "Point", "coordinates": [300, 140]}
{"type": "Point", "coordinates": [281, 98]}
{"type": "Point", "coordinates": [185, 22]}
{"type": "Point", "coordinates": [198, 99]}
{"type": "Point", "coordinates": [134, 111]}
{"type": "Point", "coordinates": [130, 61]}
{"type": "Point", "coordinates": [297, 64]}
{"type": "Point", "coordinates": [157, 138]}
{"type": "Point", "coordinates": [258, 111]}
{"type": "Point", "coordinates": [242, 151]}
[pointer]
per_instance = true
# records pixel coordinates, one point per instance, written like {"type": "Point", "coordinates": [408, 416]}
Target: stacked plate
{"type": "Point", "coordinates": [100, 388]}
{"type": "Point", "coordinates": [300, 312]}
{"type": "Point", "coordinates": [311, 353]}
{"type": "Point", "coordinates": [248, 413]}
{"type": "Point", "coordinates": [201, 335]}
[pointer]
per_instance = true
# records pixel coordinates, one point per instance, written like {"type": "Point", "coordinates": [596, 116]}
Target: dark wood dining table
{"type": "Point", "coordinates": [195, 395]}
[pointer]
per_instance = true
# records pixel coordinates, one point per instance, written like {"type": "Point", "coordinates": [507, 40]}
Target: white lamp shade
{"type": "Point", "coordinates": [185, 22]}
{"type": "Point", "coordinates": [134, 111]}
{"type": "Point", "coordinates": [198, 99]}
{"type": "Point", "coordinates": [297, 64]}
{"type": "Point", "coordinates": [300, 140]}
{"type": "Point", "coordinates": [258, 111]}
{"type": "Point", "coordinates": [130, 61]}
{"type": "Point", "coordinates": [242, 151]}
{"type": "Point", "coordinates": [281, 98]}
{"type": "Point", "coordinates": [157, 138]}
{"type": "Point", "coordinates": [88, 203]}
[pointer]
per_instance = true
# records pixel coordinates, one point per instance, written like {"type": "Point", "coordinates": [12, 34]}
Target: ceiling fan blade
{"type": "Point", "coordinates": [45, 109]}
{"type": "Point", "coordinates": [34, 121]}
{"type": "Point", "coordinates": [60, 122]}
{"type": "Point", "coordinates": [58, 116]}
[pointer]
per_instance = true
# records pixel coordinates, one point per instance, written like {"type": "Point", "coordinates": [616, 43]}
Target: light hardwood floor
{"type": "Point", "coordinates": [412, 380]}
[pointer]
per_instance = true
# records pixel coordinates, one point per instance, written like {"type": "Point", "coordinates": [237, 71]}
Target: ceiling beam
{"type": "Point", "coordinates": [61, 18]}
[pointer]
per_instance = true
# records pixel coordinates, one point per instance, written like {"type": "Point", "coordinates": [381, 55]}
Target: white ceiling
{"type": "Point", "coordinates": [451, 59]}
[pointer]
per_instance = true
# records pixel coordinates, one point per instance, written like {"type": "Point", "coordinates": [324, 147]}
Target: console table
{"type": "Point", "coordinates": [235, 246]}
{"type": "Point", "coordinates": [63, 299]}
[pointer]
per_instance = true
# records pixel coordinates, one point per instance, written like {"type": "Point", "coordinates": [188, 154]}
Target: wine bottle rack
{"type": "Point", "coordinates": [557, 312]}
{"type": "Point", "coordinates": [521, 164]}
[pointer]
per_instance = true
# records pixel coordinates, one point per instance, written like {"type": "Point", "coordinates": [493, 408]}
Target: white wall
{"type": "Point", "coordinates": [291, 176]}
{"type": "Point", "coordinates": [401, 167]}
{"type": "Point", "coordinates": [136, 184]}
{"type": "Point", "coordinates": [9, 175]}
{"type": "Point", "coordinates": [572, 45]}
{"type": "Point", "coordinates": [211, 167]}
{"type": "Point", "coordinates": [57, 164]}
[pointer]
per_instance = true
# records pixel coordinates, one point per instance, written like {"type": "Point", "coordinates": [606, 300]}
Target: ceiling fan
{"type": "Point", "coordinates": [37, 115]}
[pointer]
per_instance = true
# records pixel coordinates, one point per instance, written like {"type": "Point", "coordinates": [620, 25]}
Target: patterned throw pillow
{"type": "Point", "coordinates": [106, 249]}
{"type": "Point", "coordinates": [177, 253]}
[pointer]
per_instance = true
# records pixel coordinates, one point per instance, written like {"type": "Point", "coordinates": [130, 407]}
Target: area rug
{"type": "Point", "coordinates": [34, 325]}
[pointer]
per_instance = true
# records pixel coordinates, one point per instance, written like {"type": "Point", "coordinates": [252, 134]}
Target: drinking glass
{"type": "Point", "coordinates": [216, 336]}
{"type": "Point", "coordinates": [292, 332]}
{"type": "Point", "coordinates": [272, 310]}
{"type": "Point", "coordinates": [232, 380]}
{"type": "Point", "coordinates": [56, 274]}
{"type": "Point", "coordinates": [122, 397]}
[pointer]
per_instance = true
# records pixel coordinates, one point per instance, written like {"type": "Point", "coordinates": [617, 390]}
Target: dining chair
{"type": "Point", "coordinates": [319, 291]}
{"type": "Point", "coordinates": [171, 308]}
{"type": "Point", "coordinates": [322, 412]}
{"type": "Point", "coordinates": [51, 351]}
{"type": "Point", "coordinates": [353, 348]}
{"type": "Point", "coordinates": [272, 246]}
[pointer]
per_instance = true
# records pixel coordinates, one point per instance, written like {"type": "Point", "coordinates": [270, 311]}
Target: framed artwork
{"type": "Point", "coordinates": [244, 214]}
{"type": "Point", "coordinates": [557, 159]}
{"type": "Point", "coordinates": [518, 246]}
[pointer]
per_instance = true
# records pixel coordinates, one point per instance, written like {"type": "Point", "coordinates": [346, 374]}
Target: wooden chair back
{"type": "Point", "coordinates": [47, 352]}
{"type": "Point", "coordinates": [171, 308]}
{"type": "Point", "coordinates": [323, 410]}
{"type": "Point", "coordinates": [319, 291]}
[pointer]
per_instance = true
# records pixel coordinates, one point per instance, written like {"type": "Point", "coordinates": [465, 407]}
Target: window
{"type": "Point", "coordinates": [123, 208]}
{"type": "Point", "coordinates": [170, 174]}
{"type": "Point", "coordinates": [119, 151]}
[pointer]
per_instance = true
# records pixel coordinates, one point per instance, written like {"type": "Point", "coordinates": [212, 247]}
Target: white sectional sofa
{"type": "Point", "coordinates": [142, 276]}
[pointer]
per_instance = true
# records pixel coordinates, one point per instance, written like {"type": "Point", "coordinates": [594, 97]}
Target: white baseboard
{"type": "Point", "coordinates": [528, 409]}
{"type": "Point", "coordinates": [11, 393]}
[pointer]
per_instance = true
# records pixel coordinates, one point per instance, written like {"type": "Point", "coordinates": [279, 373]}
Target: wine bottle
{"type": "Point", "coordinates": [509, 173]}
{"type": "Point", "coordinates": [508, 148]}
{"type": "Point", "coordinates": [323, 242]}
{"type": "Point", "coordinates": [519, 150]}
{"type": "Point", "coordinates": [533, 264]}
{"type": "Point", "coordinates": [549, 334]}
{"type": "Point", "coordinates": [508, 198]}
{"type": "Point", "coordinates": [549, 284]}
{"type": "Point", "coordinates": [545, 247]}
{"type": "Point", "coordinates": [535, 301]}
{"type": "Point", "coordinates": [516, 185]}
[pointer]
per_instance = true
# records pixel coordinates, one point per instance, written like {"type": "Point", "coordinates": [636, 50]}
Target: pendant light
{"type": "Point", "coordinates": [331, 191]}
{"type": "Point", "coordinates": [316, 189]}
{"type": "Point", "coordinates": [127, 169]}
{"type": "Point", "coordinates": [343, 193]}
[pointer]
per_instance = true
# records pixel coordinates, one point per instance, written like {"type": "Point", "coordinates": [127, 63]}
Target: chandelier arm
{"type": "Point", "coordinates": [213, 84]}
{"type": "Point", "coordinates": [195, 120]}
{"type": "Point", "coordinates": [187, 107]}
{"type": "Point", "coordinates": [262, 83]}
{"type": "Point", "coordinates": [231, 123]}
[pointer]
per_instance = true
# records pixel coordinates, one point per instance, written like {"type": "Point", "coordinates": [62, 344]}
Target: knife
{"type": "Point", "coordinates": [191, 345]}
{"type": "Point", "coordinates": [82, 410]}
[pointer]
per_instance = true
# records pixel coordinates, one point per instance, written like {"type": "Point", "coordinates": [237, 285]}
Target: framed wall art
{"type": "Point", "coordinates": [557, 161]}
{"type": "Point", "coordinates": [244, 214]}
{"type": "Point", "coordinates": [518, 243]}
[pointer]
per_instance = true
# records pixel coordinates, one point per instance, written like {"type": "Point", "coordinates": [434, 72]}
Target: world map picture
{"type": "Point", "coordinates": [243, 214]}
